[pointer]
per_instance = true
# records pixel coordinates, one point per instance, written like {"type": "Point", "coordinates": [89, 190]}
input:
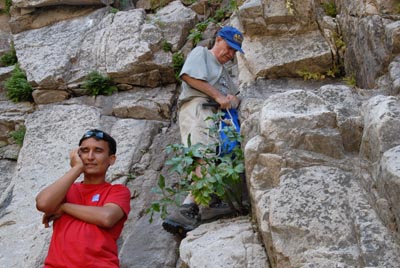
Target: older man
{"type": "Point", "coordinates": [204, 78]}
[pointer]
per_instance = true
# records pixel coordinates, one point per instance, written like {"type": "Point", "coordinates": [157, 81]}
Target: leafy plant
{"type": "Point", "coordinates": [311, 75]}
{"type": "Point", "coordinates": [166, 46]}
{"type": "Point", "coordinates": [177, 62]}
{"type": "Point", "coordinates": [9, 58]}
{"type": "Point", "coordinates": [290, 6]}
{"type": "Point", "coordinates": [220, 174]}
{"type": "Point", "coordinates": [220, 14]}
{"type": "Point", "coordinates": [196, 33]}
{"type": "Point", "coordinates": [18, 135]}
{"type": "Point", "coordinates": [397, 8]}
{"type": "Point", "coordinates": [8, 4]}
{"type": "Point", "coordinates": [350, 80]}
{"type": "Point", "coordinates": [17, 86]}
{"type": "Point", "coordinates": [227, 11]}
{"type": "Point", "coordinates": [97, 84]}
{"type": "Point", "coordinates": [114, 10]}
{"type": "Point", "coordinates": [339, 43]}
{"type": "Point", "coordinates": [330, 8]}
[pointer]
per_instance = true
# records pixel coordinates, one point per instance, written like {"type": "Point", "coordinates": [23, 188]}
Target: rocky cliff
{"type": "Point", "coordinates": [321, 154]}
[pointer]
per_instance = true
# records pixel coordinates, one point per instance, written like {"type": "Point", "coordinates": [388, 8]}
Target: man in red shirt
{"type": "Point", "coordinates": [88, 215]}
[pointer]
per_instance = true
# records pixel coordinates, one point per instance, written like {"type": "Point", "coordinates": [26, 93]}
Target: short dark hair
{"type": "Point", "coordinates": [101, 135]}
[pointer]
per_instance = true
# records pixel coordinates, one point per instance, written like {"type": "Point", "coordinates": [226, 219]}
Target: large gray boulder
{"type": "Point", "coordinates": [381, 126]}
{"type": "Point", "coordinates": [224, 244]}
{"type": "Point", "coordinates": [122, 45]}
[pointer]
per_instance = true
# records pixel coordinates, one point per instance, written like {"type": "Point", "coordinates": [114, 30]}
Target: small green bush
{"type": "Point", "coordinates": [17, 87]}
{"type": "Point", "coordinates": [330, 9]}
{"type": "Point", "coordinates": [220, 174]}
{"type": "Point", "coordinates": [10, 58]}
{"type": "Point", "coordinates": [8, 4]}
{"type": "Point", "coordinates": [350, 81]}
{"type": "Point", "coordinates": [114, 10]}
{"type": "Point", "coordinates": [97, 84]}
{"type": "Point", "coordinates": [311, 75]}
{"type": "Point", "coordinates": [166, 46]}
{"type": "Point", "coordinates": [18, 135]}
{"type": "Point", "coordinates": [397, 9]}
{"type": "Point", "coordinates": [196, 33]}
{"type": "Point", "coordinates": [177, 63]}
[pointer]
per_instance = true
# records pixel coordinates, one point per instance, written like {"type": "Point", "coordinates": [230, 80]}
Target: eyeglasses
{"type": "Point", "coordinates": [94, 133]}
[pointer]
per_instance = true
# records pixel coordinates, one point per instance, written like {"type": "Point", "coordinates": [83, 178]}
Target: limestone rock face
{"type": "Point", "coordinates": [122, 46]}
{"type": "Point", "coordinates": [382, 125]}
{"type": "Point", "coordinates": [307, 200]}
{"type": "Point", "coordinates": [42, 3]}
{"type": "Point", "coordinates": [321, 156]}
{"type": "Point", "coordinates": [305, 223]}
{"type": "Point", "coordinates": [235, 238]}
{"type": "Point", "coordinates": [389, 181]}
{"type": "Point", "coordinates": [300, 120]}
{"type": "Point", "coordinates": [49, 138]}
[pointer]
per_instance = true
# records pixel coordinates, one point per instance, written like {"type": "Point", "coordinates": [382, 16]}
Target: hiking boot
{"type": "Point", "coordinates": [216, 211]}
{"type": "Point", "coordinates": [184, 219]}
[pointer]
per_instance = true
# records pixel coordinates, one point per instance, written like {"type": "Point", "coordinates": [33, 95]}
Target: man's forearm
{"type": "Point", "coordinates": [105, 216]}
{"type": "Point", "coordinates": [209, 90]}
{"type": "Point", "coordinates": [50, 198]}
{"type": "Point", "coordinates": [202, 86]}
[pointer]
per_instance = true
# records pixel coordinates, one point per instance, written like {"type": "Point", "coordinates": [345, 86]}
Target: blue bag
{"type": "Point", "coordinates": [230, 118]}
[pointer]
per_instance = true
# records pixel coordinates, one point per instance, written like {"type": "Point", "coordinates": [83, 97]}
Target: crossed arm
{"type": "Point", "coordinates": [51, 201]}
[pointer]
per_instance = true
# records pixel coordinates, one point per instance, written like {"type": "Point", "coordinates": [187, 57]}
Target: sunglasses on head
{"type": "Point", "coordinates": [94, 133]}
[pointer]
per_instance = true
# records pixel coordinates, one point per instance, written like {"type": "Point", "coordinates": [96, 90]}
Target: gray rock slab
{"type": "Point", "coordinates": [227, 243]}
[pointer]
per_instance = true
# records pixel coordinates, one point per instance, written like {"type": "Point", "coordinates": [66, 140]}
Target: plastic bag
{"type": "Point", "coordinates": [230, 118]}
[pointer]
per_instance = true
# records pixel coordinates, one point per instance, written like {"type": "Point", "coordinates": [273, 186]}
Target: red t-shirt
{"type": "Point", "coordinates": [77, 244]}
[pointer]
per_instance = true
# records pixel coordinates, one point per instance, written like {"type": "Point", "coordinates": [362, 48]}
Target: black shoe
{"type": "Point", "coordinates": [217, 211]}
{"type": "Point", "coordinates": [185, 219]}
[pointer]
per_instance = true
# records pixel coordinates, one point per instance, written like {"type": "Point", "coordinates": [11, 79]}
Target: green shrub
{"type": "Point", "coordinates": [97, 84]}
{"type": "Point", "coordinates": [114, 10]}
{"type": "Point", "coordinates": [330, 9]}
{"type": "Point", "coordinates": [220, 175]}
{"type": "Point", "coordinates": [177, 63]}
{"type": "Point", "coordinates": [311, 75]}
{"type": "Point", "coordinates": [166, 46]}
{"type": "Point", "coordinates": [290, 7]}
{"type": "Point", "coordinates": [196, 36]}
{"type": "Point", "coordinates": [350, 80]}
{"type": "Point", "coordinates": [196, 33]}
{"type": "Point", "coordinates": [18, 135]}
{"type": "Point", "coordinates": [397, 9]}
{"type": "Point", "coordinates": [10, 58]}
{"type": "Point", "coordinates": [220, 14]}
{"type": "Point", "coordinates": [8, 4]}
{"type": "Point", "coordinates": [17, 86]}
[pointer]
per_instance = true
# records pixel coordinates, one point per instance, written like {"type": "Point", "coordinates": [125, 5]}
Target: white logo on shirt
{"type": "Point", "coordinates": [96, 198]}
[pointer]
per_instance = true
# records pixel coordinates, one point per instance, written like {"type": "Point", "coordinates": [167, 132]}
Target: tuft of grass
{"type": "Point", "coordinates": [350, 80]}
{"type": "Point", "coordinates": [330, 9]}
{"type": "Point", "coordinates": [17, 87]}
{"type": "Point", "coordinates": [97, 84]}
{"type": "Point", "coordinates": [177, 63]}
{"type": "Point", "coordinates": [18, 135]}
{"type": "Point", "coordinates": [114, 10]}
{"type": "Point", "coordinates": [311, 75]}
{"type": "Point", "coordinates": [9, 58]}
{"type": "Point", "coordinates": [166, 46]}
{"type": "Point", "coordinates": [397, 9]}
{"type": "Point", "coordinates": [8, 4]}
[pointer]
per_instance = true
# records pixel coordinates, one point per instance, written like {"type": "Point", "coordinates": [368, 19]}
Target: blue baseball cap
{"type": "Point", "coordinates": [232, 36]}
